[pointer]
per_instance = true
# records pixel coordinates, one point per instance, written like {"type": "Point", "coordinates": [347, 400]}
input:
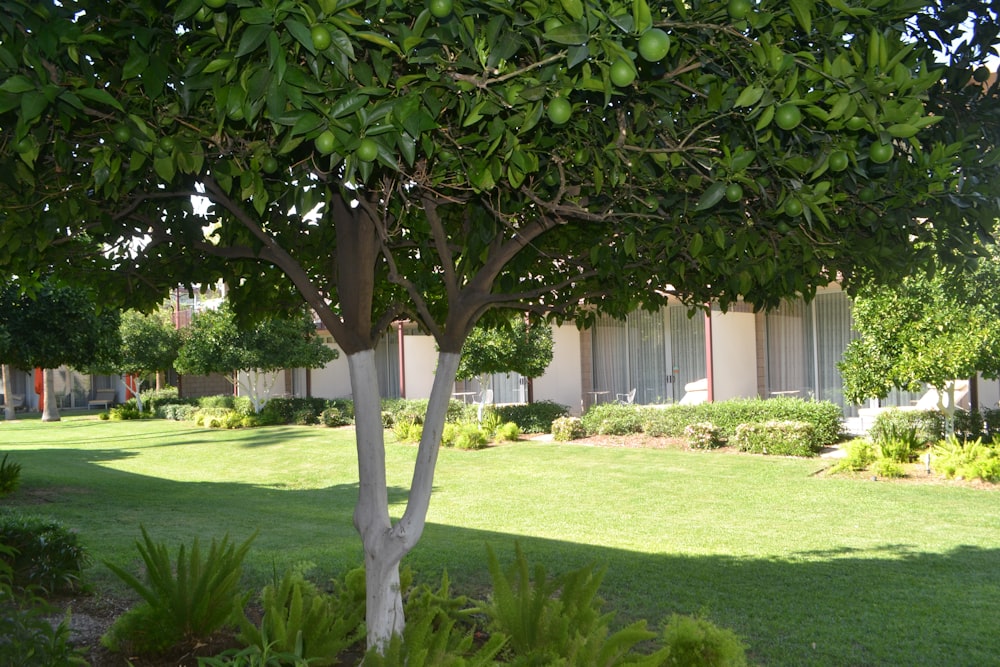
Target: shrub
{"type": "Point", "coordinates": [408, 431]}
{"type": "Point", "coordinates": [10, 476]}
{"type": "Point", "coordinates": [929, 424]}
{"type": "Point", "coordinates": [670, 421]}
{"type": "Point", "coordinates": [532, 417]}
{"type": "Point", "coordinates": [568, 428]}
{"type": "Point", "coordinates": [406, 409]}
{"type": "Point", "coordinates": [470, 436]}
{"type": "Point", "coordinates": [694, 641]}
{"type": "Point", "coordinates": [334, 416]}
{"type": "Point", "coordinates": [613, 419]}
{"type": "Point", "coordinates": [702, 435]}
{"type": "Point", "coordinates": [41, 553]}
{"type": "Point", "coordinates": [824, 416]}
{"type": "Point", "coordinates": [886, 467]}
{"type": "Point", "coordinates": [508, 432]}
{"type": "Point", "coordinates": [125, 411]}
{"type": "Point", "coordinates": [253, 656]}
{"type": "Point", "coordinates": [778, 438]}
{"type": "Point", "coordinates": [305, 417]}
{"type": "Point", "coordinates": [298, 618]}
{"type": "Point", "coordinates": [974, 459]}
{"type": "Point", "coordinates": [152, 399]}
{"type": "Point", "coordinates": [177, 411]}
{"type": "Point", "coordinates": [182, 601]}
{"type": "Point", "coordinates": [898, 443]}
{"type": "Point", "coordinates": [859, 454]}
{"type": "Point", "coordinates": [217, 402]}
{"type": "Point", "coordinates": [29, 639]}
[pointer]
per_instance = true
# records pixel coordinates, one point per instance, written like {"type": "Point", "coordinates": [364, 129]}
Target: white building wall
{"type": "Point", "coordinates": [562, 381]}
{"type": "Point", "coordinates": [734, 355]}
{"type": "Point", "coordinates": [420, 362]}
{"type": "Point", "coordinates": [334, 379]}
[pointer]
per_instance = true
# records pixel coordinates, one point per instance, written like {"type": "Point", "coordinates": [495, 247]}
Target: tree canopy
{"type": "Point", "coordinates": [514, 346]}
{"type": "Point", "coordinates": [249, 355]}
{"type": "Point", "coordinates": [381, 161]}
{"type": "Point", "coordinates": [149, 344]}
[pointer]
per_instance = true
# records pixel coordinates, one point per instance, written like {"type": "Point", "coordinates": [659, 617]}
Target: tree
{"type": "Point", "coordinates": [929, 329]}
{"type": "Point", "coordinates": [149, 344]}
{"type": "Point", "coordinates": [446, 168]}
{"type": "Point", "coordinates": [513, 346]}
{"type": "Point", "coordinates": [249, 355]}
{"type": "Point", "coordinates": [54, 326]}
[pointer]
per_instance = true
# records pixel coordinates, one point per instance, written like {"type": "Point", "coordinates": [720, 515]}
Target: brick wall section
{"type": "Point", "coordinates": [193, 386]}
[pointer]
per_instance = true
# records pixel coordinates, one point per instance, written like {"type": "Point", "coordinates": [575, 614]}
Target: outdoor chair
{"type": "Point", "coordinates": [486, 398]}
{"type": "Point", "coordinates": [626, 399]}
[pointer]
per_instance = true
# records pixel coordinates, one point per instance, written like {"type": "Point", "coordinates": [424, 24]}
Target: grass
{"type": "Point", "coordinates": [809, 569]}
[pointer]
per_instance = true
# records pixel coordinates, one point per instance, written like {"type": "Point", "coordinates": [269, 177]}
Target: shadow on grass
{"type": "Point", "coordinates": [889, 605]}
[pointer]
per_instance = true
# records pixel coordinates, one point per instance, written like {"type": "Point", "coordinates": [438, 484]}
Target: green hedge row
{"type": "Point", "coordinates": [670, 421]}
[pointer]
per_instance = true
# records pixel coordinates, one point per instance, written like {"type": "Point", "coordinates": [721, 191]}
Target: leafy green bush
{"type": "Point", "coordinates": [470, 436]}
{"type": "Point", "coordinates": [886, 467]}
{"type": "Point", "coordinates": [334, 416]}
{"type": "Point", "coordinates": [929, 424]}
{"type": "Point", "coordinates": [960, 459]}
{"type": "Point", "coordinates": [217, 402]}
{"type": "Point", "coordinates": [182, 601]}
{"type": "Point", "coordinates": [825, 417]}
{"type": "Point", "coordinates": [413, 410]}
{"type": "Point", "coordinates": [305, 417]}
{"type": "Point", "coordinates": [177, 411]}
{"type": "Point", "coordinates": [301, 620]}
{"type": "Point", "coordinates": [125, 411]}
{"type": "Point", "coordinates": [10, 476]}
{"type": "Point", "coordinates": [787, 438]}
{"type": "Point", "coordinates": [532, 417]}
{"type": "Point", "coordinates": [859, 454]}
{"type": "Point", "coordinates": [254, 656]}
{"type": "Point", "coordinates": [702, 435]}
{"type": "Point", "coordinates": [152, 399]}
{"type": "Point", "coordinates": [694, 641]}
{"type": "Point", "coordinates": [507, 432]}
{"type": "Point", "coordinates": [613, 419]}
{"type": "Point", "coordinates": [41, 553]}
{"type": "Point", "coordinates": [670, 421]}
{"type": "Point", "coordinates": [898, 443]}
{"type": "Point", "coordinates": [29, 639]}
{"type": "Point", "coordinates": [408, 431]}
{"type": "Point", "coordinates": [568, 428]}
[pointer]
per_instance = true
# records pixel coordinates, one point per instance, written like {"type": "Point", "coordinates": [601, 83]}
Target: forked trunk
{"type": "Point", "coordinates": [50, 411]}
{"type": "Point", "coordinates": [385, 545]}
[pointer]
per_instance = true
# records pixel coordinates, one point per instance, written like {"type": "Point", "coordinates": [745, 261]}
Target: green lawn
{"type": "Point", "coordinates": [809, 569]}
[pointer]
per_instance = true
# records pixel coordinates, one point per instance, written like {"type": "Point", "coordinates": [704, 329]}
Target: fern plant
{"type": "Point", "coordinates": [298, 618]}
{"type": "Point", "coordinates": [10, 476]}
{"type": "Point", "coordinates": [181, 602]}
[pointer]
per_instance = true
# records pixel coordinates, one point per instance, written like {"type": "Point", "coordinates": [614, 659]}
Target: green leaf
{"type": "Point", "coordinates": [33, 104]}
{"type": "Point", "coordinates": [749, 97]}
{"type": "Point", "coordinates": [17, 84]}
{"type": "Point", "coordinates": [100, 96]}
{"type": "Point", "coordinates": [712, 196]}
{"type": "Point", "coordinates": [252, 38]}
{"type": "Point", "coordinates": [802, 9]}
{"type": "Point", "coordinates": [380, 40]}
{"type": "Point", "coordinates": [348, 104]}
{"type": "Point", "coordinates": [574, 8]}
{"type": "Point", "coordinates": [571, 34]}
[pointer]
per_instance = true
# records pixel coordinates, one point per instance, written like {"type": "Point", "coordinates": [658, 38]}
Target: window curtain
{"type": "Point", "coordinates": [687, 348]}
{"type": "Point", "coordinates": [387, 364]}
{"type": "Point", "coordinates": [789, 349]}
{"type": "Point", "coordinates": [834, 327]}
{"type": "Point", "coordinates": [647, 344]}
{"type": "Point", "coordinates": [610, 356]}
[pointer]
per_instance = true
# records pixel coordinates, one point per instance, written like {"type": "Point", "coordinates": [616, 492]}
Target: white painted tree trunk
{"type": "Point", "coordinates": [8, 388]}
{"type": "Point", "coordinates": [50, 411]}
{"type": "Point", "coordinates": [385, 544]}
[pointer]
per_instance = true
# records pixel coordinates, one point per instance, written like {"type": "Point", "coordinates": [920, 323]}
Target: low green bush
{"type": "Point", "coordinates": [929, 425]}
{"type": "Point", "coordinates": [532, 417]}
{"type": "Point", "coordinates": [670, 421]}
{"type": "Point", "coordinates": [887, 467]}
{"type": "Point", "coordinates": [28, 638]}
{"type": "Point", "coordinates": [507, 432]}
{"type": "Point", "coordinates": [966, 459]}
{"type": "Point", "coordinates": [300, 619]}
{"type": "Point", "coordinates": [125, 411]}
{"type": "Point", "coordinates": [568, 428]}
{"type": "Point", "coordinates": [859, 454]}
{"type": "Point", "coordinates": [10, 476]}
{"type": "Point", "coordinates": [177, 411]}
{"type": "Point", "coordinates": [613, 419]}
{"type": "Point", "coordinates": [414, 409]}
{"type": "Point", "coordinates": [781, 438]}
{"type": "Point", "coordinates": [897, 442]}
{"type": "Point", "coordinates": [217, 402]}
{"type": "Point", "coordinates": [40, 553]}
{"type": "Point", "coordinates": [826, 418]}
{"type": "Point", "coordinates": [702, 435]}
{"type": "Point", "coordinates": [408, 431]}
{"type": "Point", "coordinates": [470, 436]}
{"type": "Point", "coordinates": [182, 600]}
{"type": "Point", "coordinates": [306, 416]}
{"type": "Point", "coordinates": [152, 399]}
{"type": "Point", "coordinates": [334, 416]}
{"type": "Point", "coordinates": [694, 641]}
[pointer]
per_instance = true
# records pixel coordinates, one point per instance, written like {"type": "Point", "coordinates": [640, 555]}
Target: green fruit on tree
{"type": "Point", "coordinates": [559, 110]}
{"type": "Point", "coordinates": [734, 192]}
{"type": "Point", "coordinates": [215, 4]}
{"type": "Point", "coordinates": [269, 164]}
{"type": "Point", "coordinates": [867, 195]}
{"type": "Point", "coordinates": [551, 178]}
{"type": "Point", "coordinates": [855, 123]}
{"type": "Point", "coordinates": [367, 150]}
{"type": "Point", "coordinates": [167, 144]}
{"type": "Point", "coordinates": [982, 74]}
{"type": "Point", "coordinates": [783, 227]}
{"type": "Point", "coordinates": [440, 8]}
{"type": "Point", "coordinates": [793, 207]}
{"type": "Point", "coordinates": [204, 14]}
{"type": "Point", "coordinates": [838, 161]}
{"type": "Point", "coordinates": [622, 73]}
{"type": "Point", "coordinates": [788, 116]}
{"type": "Point", "coordinates": [654, 45]}
{"type": "Point", "coordinates": [325, 142]}
{"type": "Point", "coordinates": [23, 145]}
{"type": "Point", "coordinates": [122, 134]}
{"type": "Point", "coordinates": [321, 39]}
{"type": "Point", "coordinates": [880, 153]}
{"type": "Point", "coordinates": [738, 9]}
{"type": "Point", "coordinates": [580, 157]}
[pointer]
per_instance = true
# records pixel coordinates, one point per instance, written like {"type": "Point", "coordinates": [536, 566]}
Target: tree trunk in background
{"type": "Point", "coordinates": [50, 412]}
{"type": "Point", "coordinates": [8, 388]}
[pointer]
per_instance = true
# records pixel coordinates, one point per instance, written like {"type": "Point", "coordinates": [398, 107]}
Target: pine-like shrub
{"type": "Point", "coordinates": [10, 476]}
{"type": "Point", "coordinates": [693, 641]}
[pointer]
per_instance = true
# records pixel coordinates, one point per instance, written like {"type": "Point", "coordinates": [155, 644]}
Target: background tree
{"type": "Point", "coordinates": [149, 344]}
{"type": "Point", "coordinates": [53, 326]}
{"type": "Point", "coordinates": [250, 355]}
{"type": "Point", "coordinates": [514, 346]}
{"type": "Point", "coordinates": [380, 161]}
{"type": "Point", "coordinates": [929, 329]}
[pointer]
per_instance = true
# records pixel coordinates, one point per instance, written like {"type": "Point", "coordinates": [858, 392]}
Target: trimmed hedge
{"type": "Point", "coordinates": [532, 417]}
{"type": "Point", "coordinates": [782, 438]}
{"type": "Point", "coordinates": [929, 424]}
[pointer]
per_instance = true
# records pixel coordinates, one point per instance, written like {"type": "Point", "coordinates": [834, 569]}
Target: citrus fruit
{"type": "Point", "coordinates": [838, 161]}
{"type": "Point", "coordinates": [440, 8]}
{"type": "Point", "coordinates": [855, 123]}
{"type": "Point", "coordinates": [622, 73]}
{"type": "Point", "coordinates": [793, 207]}
{"type": "Point", "coordinates": [320, 37]}
{"type": "Point", "coordinates": [880, 153]}
{"type": "Point", "coordinates": [269, 164]}
{"type": "Point", "coordinates": [167, 144]}
{"type": "Point", "coordinates": [734, 192]}
{"type": "Point", "coordinates": [982, 74]}
{"type": "Point", "coordinates": [653, 45]}
{"type": "Point", "coordinates": [559, 110]}
{"type": "Point", "coordinates": [367, 150]}
{"type": "Point", "coordinates": [215, 4]}
{"type": "Point", "coordinates": [738, 9]}
{"type": "Point", "coordinates": [325, 142]}
{"type": "Point", "coordinates": [788, 116]}
{"type": "Point", "coordinates": [122, 134]}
